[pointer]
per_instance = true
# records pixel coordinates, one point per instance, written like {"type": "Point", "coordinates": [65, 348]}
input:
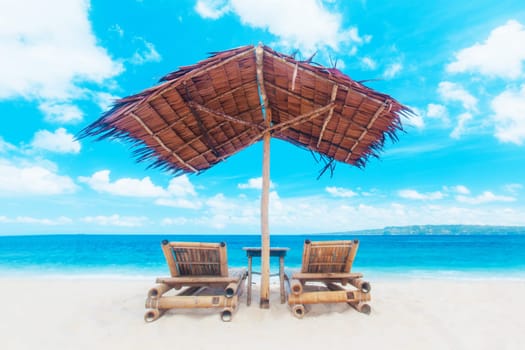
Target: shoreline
{"type": "Point", "coordinates": [406, 313]}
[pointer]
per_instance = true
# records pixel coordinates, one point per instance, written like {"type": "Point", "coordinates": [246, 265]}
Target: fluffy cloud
{"type": "Point", "coordinates": [509, 117]}
{"type": "Point", "coordinates": [59, 141]}
{"type": "Point", "coordinates": [116, 220]}
{"type": "Point", "coordinates": [485, 197]}
{"type": "Point", "coordinates": [179, 203]}
{"type": "Point", "coordinates": [340, 192]}
{"type": "Point", "coordinates": [513, 188]}
{"type": "Point", "coordinates": [52, 50]}
{"type": "Point", "coordinates": [61, 112]}
{"type": "Point", "coordinates": [460, 189]}
{"type": "Point", "coordinates": [62, 220]}
{"type": "Point", "coordinates": [127, 187]}
{"type": "Point", "coordinates": [6, 146]}
{"type": "Point", "coordinates": [416, 120]}
{"type": "Point", "coordinates": [368, 63]}
{"type": "Point", "coordinates": [254, 184]}
{"type": "Point", "coordinates": [317, 26]}
{"type": "Point", "coordinates": [181, 186]}
{"type": "Point", "coordinates": [175, 195]}
{"type": "Point", "coordinates": [501, 55]}
{"type": "Point", "coordinates": [413, 194]}
{"type": "Point", "coordinates": [147, 54]}
{"type": "Point", "coordinates": [392, 70]}
{"type": "Point", "coordinates": [460, 128]}
{"type": "Point", "coordinates": [452, 92]}
{"type": "Point", "coordinates": [437, 111]}
{"type": "Point", "coordinates": [32, 179]}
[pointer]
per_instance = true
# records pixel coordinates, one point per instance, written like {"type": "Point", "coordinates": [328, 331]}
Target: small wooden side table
{"type": "Point", "coordinates": [252, 252]}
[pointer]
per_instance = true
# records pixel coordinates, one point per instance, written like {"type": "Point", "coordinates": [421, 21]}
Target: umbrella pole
{"type": "Point", "coordinates": [265, 229]}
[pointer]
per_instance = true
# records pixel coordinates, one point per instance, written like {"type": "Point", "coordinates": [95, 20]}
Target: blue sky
{"type": "Point", "coordinates": [460, 66]}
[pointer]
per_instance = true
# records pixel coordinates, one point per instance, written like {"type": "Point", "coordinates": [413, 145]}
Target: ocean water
{"type": "Point", "coordinates": [444, 256]}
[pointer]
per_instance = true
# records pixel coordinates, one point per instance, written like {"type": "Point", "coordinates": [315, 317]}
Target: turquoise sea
{"type": "Point", "coordinates": [444, 256]}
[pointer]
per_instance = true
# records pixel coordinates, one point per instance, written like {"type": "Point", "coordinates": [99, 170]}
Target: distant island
{"type": "Point", "coordinates": [442, 230]}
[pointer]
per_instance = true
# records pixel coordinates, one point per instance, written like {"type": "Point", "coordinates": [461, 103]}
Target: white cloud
{"type": "Point", "coordinates": [52, 50]}
{"type": "Point", "coordinates": [416, 120]}
{"type": "Point", "coordinates": [59, 141]}
{"type": "Point", "coordinates": [60, 112]}
{"type": "Point", "coordinates": [62, 220]}
{"type": "Point", "coordinates": [461, 189]}
{"type": "Point", "coordinates": [513, 188]}
{"type": "Point", "coordinates": [509, 117]}
{"type": "Point", "coordinates": [116, 220]}
{"type": "Point", "coordinates": [413, 194]}
{"type": "Point", "coordinates": [105, 100]}
{"type": "Point", "coordinates": [392, 70]}
{"type": "Point", "coordinates": [501, 55]}
{"type": "Point", "coordinates": [179, 203]}
{"type": "Point", "coordinates": [212, 9]}
{"type": "Point", "coordinates": [305, 24]}
{"type": "Point", "coordinates": [6, 146]}
{"type": "Point", "coordinates": [485, 197]}
{"type": "Point", "coordinates": [146, 54]}
{"type": "Point", "coordinates": [127, 187]}
{"type": "Point", "coordinates": [32, 179]}
{"type": "Point", "coordinates": [452, 92]}
{"type": "Point", "coordinates": [369, 63]}
{"type": "Point", "coordinates": [460, 128]}
{"type": "Point", "coordinates": [437, 111]}
{"type": "Point", "coordinates": [181, 186]}
{"type": "Point", "coordinates": [175, 221]}
{"type": "Point", "coordinates": [340, 192]}
{"type": "Point", "coordinates": [254, 184]}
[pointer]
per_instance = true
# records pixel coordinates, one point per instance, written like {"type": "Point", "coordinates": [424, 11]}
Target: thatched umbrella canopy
{"type": "Point", "coordinates": [202, 114]}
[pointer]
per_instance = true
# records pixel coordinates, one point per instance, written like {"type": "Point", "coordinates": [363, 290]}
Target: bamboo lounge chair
{"type": "Point", "coordinates": [200, 272]}
{"type": "Point", "coordinates": [328, 263]}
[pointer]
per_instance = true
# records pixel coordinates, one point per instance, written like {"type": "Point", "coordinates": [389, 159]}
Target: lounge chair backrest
{"type": "Point", "coordinates": [329, 256]}
{"type": "Point", "coordinates": [196, 259]}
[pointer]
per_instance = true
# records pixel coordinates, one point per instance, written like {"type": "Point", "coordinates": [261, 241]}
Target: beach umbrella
{"type": "Point", "coordinates": [200, 115]}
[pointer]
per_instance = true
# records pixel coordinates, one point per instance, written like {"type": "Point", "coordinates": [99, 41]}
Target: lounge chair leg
{"type": "Point", "coordinates": [299, 310]}
{"type": "Point", "coordinates": [153, 315]}
{"type": "Point", "coordinates": [361, 307]}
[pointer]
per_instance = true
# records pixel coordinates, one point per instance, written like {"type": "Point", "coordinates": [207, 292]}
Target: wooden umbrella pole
{"type": "Point", "coordinates": [265, 196]}
{"type": "Point", "coordinates": [265, 231]}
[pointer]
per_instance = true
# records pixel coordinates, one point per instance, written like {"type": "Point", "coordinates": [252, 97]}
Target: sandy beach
{"type": "Point", "coordinates": [90, 313]}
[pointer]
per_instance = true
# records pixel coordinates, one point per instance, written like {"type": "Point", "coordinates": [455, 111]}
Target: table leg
{"type": "Point", "coordinates": [249, 294]}
{"type": "Point", "coordinates": [281, 278]}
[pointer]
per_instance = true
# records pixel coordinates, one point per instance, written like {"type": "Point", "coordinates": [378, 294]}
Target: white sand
{"type": "Point", "coordinates": [413, 314]}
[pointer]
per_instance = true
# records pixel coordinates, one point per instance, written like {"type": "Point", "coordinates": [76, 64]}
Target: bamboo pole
{"type": "Point", "coordinates": [153, 315]}
{"type": "Point", "coordinates": [296, 286]}
{"type": "Point", "coordinates": [229, 309]}
{"type": "Point", "coordinates": [186, 302]}
{"type": "Point", "coordinates": [359, 306]}
{"type": "Point", "coordinates": [158, 290]}
{"type": "Point", "coordinates": [265, 230]}
{"type": "Point", "coordinates": [281, 279]}
{"type": "Point", "coordinates": [360, 284]}
{"type": "Point", "coordinates": [223, 258]}
{"type": "Point", "coordinates": [231, 289]}
{"type": "Point", "coordinates": [317, 276]}
{"type": "Point", "coordinates": [322, 297]}
{"type": "Point", "coordinates": [299, 310]}
{"type": "Point", "coordinates": [351, 255]}
{"type": "Point", "coordinates": [166, 249]}
{"type": "Point", "coordinates": [306, 255]}
{"type": "Point", "coordinates": [363, 308]}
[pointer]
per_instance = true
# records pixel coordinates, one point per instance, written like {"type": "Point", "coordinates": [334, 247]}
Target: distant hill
{"type": "Point", "coordinates": [443, 230]}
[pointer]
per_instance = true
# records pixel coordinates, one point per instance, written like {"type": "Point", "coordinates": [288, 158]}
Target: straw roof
{"type": "Point", "coordinates": [202, 114]}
